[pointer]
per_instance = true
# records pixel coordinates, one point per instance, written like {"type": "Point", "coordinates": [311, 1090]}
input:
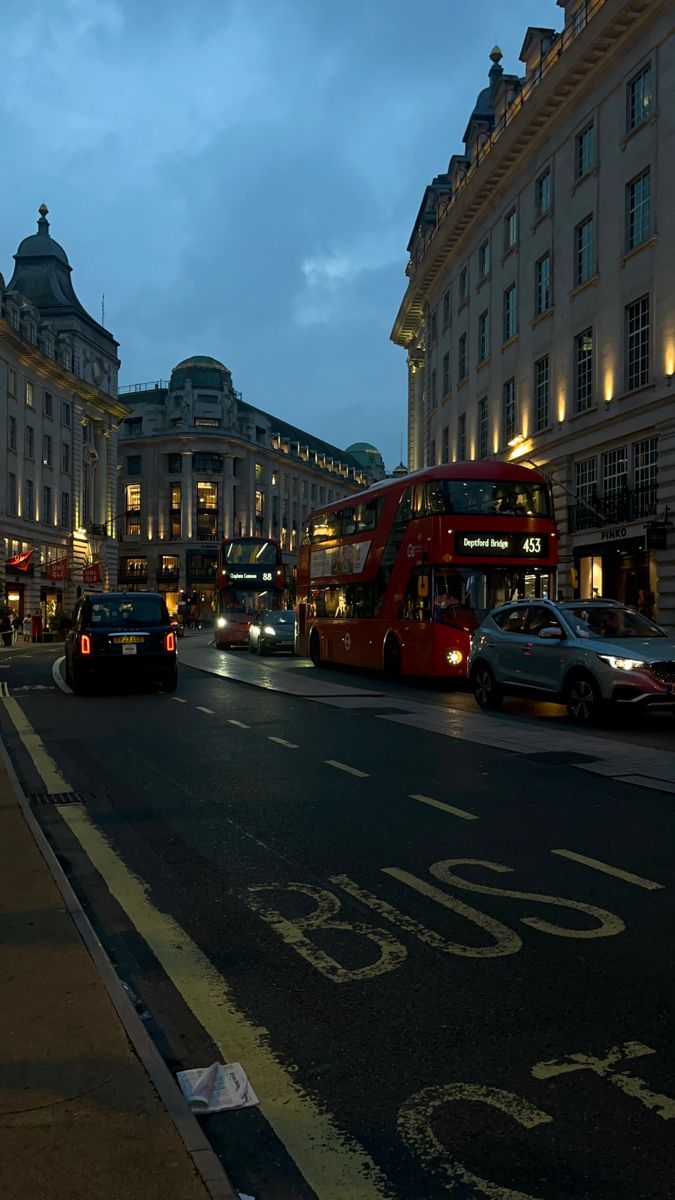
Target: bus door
{"type": "Point", "coordinates": [415, 623]}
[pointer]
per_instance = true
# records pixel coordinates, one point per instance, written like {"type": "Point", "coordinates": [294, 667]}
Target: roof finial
{"type": "Point", "coordinates": [496, 54]}
{"type": "Point", "coordinates": [43, 223]}
{"type": "Point", "coordinates": [43, 210]}
{"type": "Point", "coordinates": [496, 70]}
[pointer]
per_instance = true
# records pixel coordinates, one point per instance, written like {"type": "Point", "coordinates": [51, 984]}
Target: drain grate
{"type": "Point", "coordinates": [560, 756]}
{"type": "Point", "coordinates": [59, 798]}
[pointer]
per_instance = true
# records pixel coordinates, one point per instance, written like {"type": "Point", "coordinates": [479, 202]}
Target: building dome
{"type": "Point", "coordinates": [202, 371]}
{"type": "Point", "coordinates": [41, 244]}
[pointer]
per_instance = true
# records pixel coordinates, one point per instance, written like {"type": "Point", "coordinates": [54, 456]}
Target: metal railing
{"type": "Point", "coordinates": [626, 505]}
{"type": "Point", "coordinates": [151, 386]}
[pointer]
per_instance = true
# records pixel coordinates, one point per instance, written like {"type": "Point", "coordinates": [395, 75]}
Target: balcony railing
{"type": "Point", "coordinates": [168, 574]}
{"type": "Point", "coordinates": [626, 505]}
{"type": "Point", "coordinates": [132, 574]}
{"type": "Point", "coordinates": [153, 385]}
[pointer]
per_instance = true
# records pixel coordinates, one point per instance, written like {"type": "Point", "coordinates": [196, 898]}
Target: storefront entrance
{"type": "Point", "coordinates": [616, 571]}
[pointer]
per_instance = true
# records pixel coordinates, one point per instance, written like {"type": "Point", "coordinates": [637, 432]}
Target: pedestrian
{"type": "Point", "coordinates": [27, 626]}
{"type": "Point", "coordinates": [6, 629]}
{"type": "Point", "coordinates": [17, 626]}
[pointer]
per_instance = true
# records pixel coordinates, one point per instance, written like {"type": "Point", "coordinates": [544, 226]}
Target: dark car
{"type": "Point", "coordinates": [121, 636]}
{"type": "Point", "coordinates": [274, 630]}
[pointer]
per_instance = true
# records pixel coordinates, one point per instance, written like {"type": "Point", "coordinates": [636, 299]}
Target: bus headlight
{"type": "Point", "coordinates": [454, 657]}
{"type": "Point", "coordinates": [221, 622]}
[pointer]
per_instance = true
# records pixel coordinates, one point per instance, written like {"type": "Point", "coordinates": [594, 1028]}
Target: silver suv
{"type": "Point", "coordinates": [589, 654]}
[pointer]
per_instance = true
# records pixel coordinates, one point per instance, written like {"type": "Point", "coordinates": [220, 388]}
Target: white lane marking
{"type": "Point", "coordinates": [179, 700]}
{"type": "Point", "coordinates": [332, 762]}
{"type": "Point", "coordinates": [646, 781]}
{"type": "Point", "coordinates": [42, 760]}
{"type": "Point", "coordinates": [57, 676]}
{"type": "Point", "coordinates": [4, 689]}
{"type": "Point", "coordinates": [648, 884]}
{"type": "Point", "coordinates": [450, 808]}
{"type": "Point", "coordinates": [283, 742]}
{"type": "Point", "coordinates": [200, 708]}
{"type": "Point", "coordinates": [239, 724]}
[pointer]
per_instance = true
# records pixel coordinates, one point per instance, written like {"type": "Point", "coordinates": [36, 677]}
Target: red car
{"type": "Point", "coordinates": [232, 629]}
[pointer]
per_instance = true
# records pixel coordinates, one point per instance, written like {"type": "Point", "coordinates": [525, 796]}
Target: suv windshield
{"type": "Point", "coordinates": [610, 622]}
{"type": "Point", "coordinates": [280, 618]}
{"type": "Point", "coordinates": [123, 610]}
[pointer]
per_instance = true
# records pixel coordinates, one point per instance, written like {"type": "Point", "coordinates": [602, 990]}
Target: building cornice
{"type": "Point", "coordinates": [30, 355]}
{"type": "Point", "coordinates": [567, 70]}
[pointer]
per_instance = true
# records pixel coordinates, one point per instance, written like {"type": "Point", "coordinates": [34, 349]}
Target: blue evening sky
{"type": "Point", "coordinates": [240, 178]}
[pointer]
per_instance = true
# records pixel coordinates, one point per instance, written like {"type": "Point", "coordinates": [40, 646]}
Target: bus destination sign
{"type": "Point", "coordinates": [501, 545]}
{"type": "Point", "coordinates": [249, 574]}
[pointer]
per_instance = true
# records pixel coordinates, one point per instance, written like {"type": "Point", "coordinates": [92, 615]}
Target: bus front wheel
{"type": "Point", "coordinates": [315, 648]}
{"type": "Point", "coordinates": [392, 658]}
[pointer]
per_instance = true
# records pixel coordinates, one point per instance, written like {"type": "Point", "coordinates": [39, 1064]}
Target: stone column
{"type": "Point", "coordinates": [415, 412]}
{"type": "Point", "coordinates": [186, 496]}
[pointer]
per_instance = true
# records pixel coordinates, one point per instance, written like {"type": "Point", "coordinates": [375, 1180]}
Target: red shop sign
{"type": "Point", "coordinates": [58, 569]}
{"type": "Point", "coordinates": [20, 562]}
{"type": "Point", "coordinates": [91, 574]}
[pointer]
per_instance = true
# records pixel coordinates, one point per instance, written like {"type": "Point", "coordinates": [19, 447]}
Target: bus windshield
{"type": "Point", "coordinates": [488, 497]}
{"type": "Point", "coordinates": [251, 551]}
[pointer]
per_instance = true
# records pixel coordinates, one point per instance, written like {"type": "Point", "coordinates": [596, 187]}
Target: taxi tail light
{"type": "Point", "coordinates": [170, 641]}
{"type": "Point", "coordinates": [85, 644]}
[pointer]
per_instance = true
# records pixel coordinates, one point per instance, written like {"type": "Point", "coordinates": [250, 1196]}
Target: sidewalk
{"type": "Point", "coordinates": [80, 1118]}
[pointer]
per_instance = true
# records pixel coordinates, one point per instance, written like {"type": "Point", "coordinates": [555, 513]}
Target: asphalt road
{"type": "Point", "coordinates": [440, 942]}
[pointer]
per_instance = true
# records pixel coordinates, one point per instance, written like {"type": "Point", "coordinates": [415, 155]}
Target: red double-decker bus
{"type": "Point", "coordinates": [398, 577]}
{"type": "Point", "coordinates": [250, 577]}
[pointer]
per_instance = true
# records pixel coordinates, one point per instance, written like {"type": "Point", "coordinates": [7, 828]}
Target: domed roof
{"type": "Point", "coordinates": [42, 272]}
{"type": "Point", "coordinates": [364, 447]}
{"type": "Point", "coordinates": [41, 244]}
{"type": "Point", "coordinates": [201, 360]}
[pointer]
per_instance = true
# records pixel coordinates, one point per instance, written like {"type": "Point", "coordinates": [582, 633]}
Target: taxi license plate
{"type": "Point", "coordinates": [127, 640]}
{"type": "Point", "coordinates": [129, 649]}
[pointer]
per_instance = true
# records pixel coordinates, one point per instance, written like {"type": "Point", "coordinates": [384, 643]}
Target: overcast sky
{"type": "Point", "coordinates": [240, 178]}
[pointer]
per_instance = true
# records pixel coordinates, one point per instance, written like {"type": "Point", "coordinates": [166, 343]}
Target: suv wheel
{"type": "Point", "coordinates": [583, 699]}
{"type": "Point", "coordinates": [487, 692]}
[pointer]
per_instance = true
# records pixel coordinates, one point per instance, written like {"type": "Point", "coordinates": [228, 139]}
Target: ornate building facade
{"type": "Point", "coordinates": [539, 316]}
{"type": "Point", "coordinates": [59, 416]}
{"type": "Point", "coordinates": [197, 464]}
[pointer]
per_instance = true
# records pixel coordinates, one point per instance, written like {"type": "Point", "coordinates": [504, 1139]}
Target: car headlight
{"type": "Point", "coordinates": [221, 622]}
{"type": "Point", "coordinates": [454, 657]}
{"type": "Point", "coordinates": [269, 631]}
{"type": "Point", "coordinates": [623, 664]}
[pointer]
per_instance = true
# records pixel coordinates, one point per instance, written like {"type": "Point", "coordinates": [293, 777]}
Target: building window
{"type": "Point", "coordinates": [29, 393]}
{"type": "Point", "coordinates": [463, 285]}
{"type": "Point", "coordinates": [639, 98]}
{"type": "Point", "coordinates": [542, 285]}
{"type": "Point", "coordinates": [637, 343]}
{"type": "Point", "coordinates": [28, 500]}
{"type": "Point", "coordinates": [585, 150]}
{"type": "Point", "coordinates": [583, 370]}
{"type": "Point", "coordinates": [11, 432]}
{"type": "Point", "coordinates": [461, 358]}
{"type": "Point", "coordinates": [259, 508]}
{"type": "Point", "coordinates": [510, 316]}
{"type": "Point", "coordinates": [510, 230]}
{"type": "Point", "coordinates": [509, 409]}
{"type": "Point", "coordinates": [48, 404]}
{"type": "Point", "coordinates": [134, 464]}
{"type": "Point", "coordinates": [614, 471]}
{"type": "Point", "coordinates": [542, 393]}
{"type": "Point", "coordinates": [132, 498]}
{"type": "Point", "coordinates": [65, 458]}
{"type": "Point", "coordinates": [446, 374]}
{"type": "Point", "coordinates": [134, 426]}
{"type": "Point", "coordinates": [586, 479]}
{"type": "Point", "coordinates": [207, 510]}
{"type": "Point", "coordinates": [11, 382]}
{"type": "Point", "coordinates": [638, 206]}
{"type": "Point", "coordinates": [208, 462]}
{"type": "Point", "coordinates": [11, 494]}
{"type": "Point", "coordinates": [483, 336]}
{"type": "Point", "coordinates": [583, 252]}
{"type": "Point", "coordinates": [66, 413]}
{"type": "Point", "coordinates": [579, 19]}
{"type": "Point", "coordinates": [65, 510]}
{"type": "Point", "coordinates": [259, 473]}
{"type": "Point", "coordinates": [30, 441]}
{"type": "Point", "coordinates": [46, 514]}
{"type": "Point", "coordinates": [483, 428]}
{"type": "Point", "coordinates": [445, 445]}
{"type": "Point", "coordinates": [433, 329]}
{"type": "Point", "coordinates": [446, 308]}
{"type": "Point", "coordinates": [484, 260]}
{"type": "Point", "coordinates": [542, 193]}
{"type": "Point", "coordinates": [461, 437]}
{"type": "Point", "coordinates": [174, 510]}
{"type": "Point", "coordinates": [175, 463]}
{"type": "Point", "coordinates": [645, 463]}
{"type": "Point", "coordinates": [432, 388]}
{"type": "Point", "coordinates": [46, 450]}
{"type": "Point", "coordinates": [207, 422]}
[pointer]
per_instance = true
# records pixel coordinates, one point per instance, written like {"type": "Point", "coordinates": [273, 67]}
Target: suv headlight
{"type": "Point", "coordinates": [269, 630]}
{"type": "Point", "coordinates": [623, 664]}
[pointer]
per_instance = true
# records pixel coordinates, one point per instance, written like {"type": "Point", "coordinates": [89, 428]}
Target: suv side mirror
{"type": "Point", "coordinates": [551, 633]}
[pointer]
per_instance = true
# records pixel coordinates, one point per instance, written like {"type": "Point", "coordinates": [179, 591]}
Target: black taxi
{"type": "Point", "coordinates": [121, 636]}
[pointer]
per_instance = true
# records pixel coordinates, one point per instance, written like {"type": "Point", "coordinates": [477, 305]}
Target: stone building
{"type": "Point", "coordinates": [59, 416]}
{"type": "Point", "coordinates": [539, 315]}
{"type": "Point", "coordinates": [197, 463]}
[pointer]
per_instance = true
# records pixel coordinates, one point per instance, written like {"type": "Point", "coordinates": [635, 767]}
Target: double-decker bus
{"type": "Point", "coordinates": [250, 577]}
{"type": "Point", "coordinates": [397, 577]}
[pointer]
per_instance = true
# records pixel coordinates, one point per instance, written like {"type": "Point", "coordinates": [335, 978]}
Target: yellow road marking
{"type": "Point", "coordinates": [334, 1165]}
{"type": "Point", "coordinates": [283, 742]}
{"type": "Point", "coordinates": [332, 762]}
{"type": "Point", "coordinates": [239, 724]}
{"type": "Point", "coordinates": [628, 876]}
{"type": "Point", "coordinates": [42, 761]}
{"type": "Point", "coordinates": [456, 812]}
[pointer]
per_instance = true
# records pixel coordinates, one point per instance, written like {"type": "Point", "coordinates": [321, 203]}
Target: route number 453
{"type": "Point", "coordinates": [532, 545]}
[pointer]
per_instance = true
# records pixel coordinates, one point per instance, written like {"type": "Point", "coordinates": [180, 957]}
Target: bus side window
{"type": "Point", "coordinates": [366, 515]}
{"type": "Point", "coordinates": [435, 499]}
{"type": "Point", "coordinates": [404, 513]}
{"type": "Point", "coordinates": [349, 524]}
{"type": "Point", "coordinates": [417, 600]}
